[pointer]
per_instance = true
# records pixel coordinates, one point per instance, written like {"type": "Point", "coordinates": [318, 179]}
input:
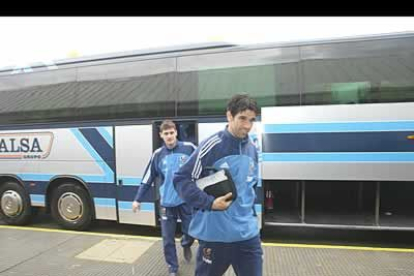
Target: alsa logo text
{"type": "Point", "coordinates": [27, 145]}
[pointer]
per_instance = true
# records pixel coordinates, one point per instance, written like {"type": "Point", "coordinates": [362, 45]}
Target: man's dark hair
{"type": "Point", "coordinates": [241, 102]}
{"type": "Point", "coordinates": [167, 124]}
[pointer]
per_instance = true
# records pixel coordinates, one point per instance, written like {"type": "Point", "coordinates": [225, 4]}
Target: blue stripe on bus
{"type": "Point", "coordinates": [97, 190]}
{"type": "Point", "coordinates": [99, 144]}
{"type": "Point", "coordinates": [36, 187]}
{"type": "Point", "coordinates": [393, 141]}
{"type": "Point", "coordinates": [105, 190]}
{"type": "Point", "coordinates": [47, 177]}
{"type": "Point", "coordinates": [107, 135]}
{"type": "Point", "coordinates": [105, 202]}
{"type": "Point", "coordinates": [108, 172]}
{"type": "Point", "coordinates": [145, 206]}
{"type": "Point", "coordinates": [340, 157]}
{"type": "Point", "coordinates": [130, 181]}
{"type": "Point", "coordinates": [339, 127]}
{"type": "Point", "coordinates": [128, 192]}
{"type": "Point", "coordinates": [37, 198]}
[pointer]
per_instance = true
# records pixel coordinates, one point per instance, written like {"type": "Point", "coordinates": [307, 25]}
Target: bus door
{"type": "Point", "coordinates": [134, 147]}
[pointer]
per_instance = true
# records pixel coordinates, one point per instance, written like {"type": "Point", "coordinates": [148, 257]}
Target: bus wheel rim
{"type": "Point", "coordinates": [11, 203]}
{"type": "Point", "coordinates": [70, 207]}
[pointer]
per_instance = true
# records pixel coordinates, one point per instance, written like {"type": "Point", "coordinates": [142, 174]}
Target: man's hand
{"type": "Point", "coordinates": [136, 206]}
{"type": "Point", "coordinates": [222, 203]}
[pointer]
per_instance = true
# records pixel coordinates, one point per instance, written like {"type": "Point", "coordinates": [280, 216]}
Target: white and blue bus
{"type": "Point", "coordinates": [335, 130]}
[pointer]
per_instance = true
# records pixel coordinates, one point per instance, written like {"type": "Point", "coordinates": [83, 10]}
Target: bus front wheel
{"type": "Point", "coordinates": [71, 207]}
{"type": "Point", "coordinates": [15, 204]}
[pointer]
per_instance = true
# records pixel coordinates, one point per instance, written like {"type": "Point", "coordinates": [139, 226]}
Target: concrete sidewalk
{"type": "Point", "coordinates": [37, 252]}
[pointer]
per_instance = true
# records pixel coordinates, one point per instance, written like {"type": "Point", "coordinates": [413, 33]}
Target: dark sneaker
{"type": "Point", "coordinates": [187, 254]}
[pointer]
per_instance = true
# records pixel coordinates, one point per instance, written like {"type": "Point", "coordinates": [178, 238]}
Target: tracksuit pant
{"type": "Point", "coordinates": [169, 216]}
{"type": "Point", "coordinates": [214, 258]}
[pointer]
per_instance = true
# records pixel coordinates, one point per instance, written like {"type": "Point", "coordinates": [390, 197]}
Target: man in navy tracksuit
{"type": "Point", "coordinates": [164, 162]}
{"type": "Point", "coordinates": [227, 231]}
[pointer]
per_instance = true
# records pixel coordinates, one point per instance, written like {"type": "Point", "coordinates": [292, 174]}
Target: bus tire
{"type": "Point", "coordinates": [15, 206]}
{"type": "Point", "coordinates": [71, 207]}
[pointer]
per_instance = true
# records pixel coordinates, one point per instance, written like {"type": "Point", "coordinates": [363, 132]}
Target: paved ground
{"type": "Point", "coordinates": [36, 252]}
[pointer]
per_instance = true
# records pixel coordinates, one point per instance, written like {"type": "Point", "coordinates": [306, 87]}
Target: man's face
{"type": "Point", "coordinates": [242, 123]}
{"type": "Point", "coordinates": [169, 136]}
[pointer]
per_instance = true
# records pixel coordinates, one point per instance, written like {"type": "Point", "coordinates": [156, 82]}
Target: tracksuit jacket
{"type": "Point", "coordinates": [164, 163]}
{"type": "Point", "coordinates": [239, 156]}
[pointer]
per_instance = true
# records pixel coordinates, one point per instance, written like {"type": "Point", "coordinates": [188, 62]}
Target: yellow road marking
{"type": "Point", "coordinates": [79, 232]}
{"type": "Point", "coordinates": [316, 246]}
{"type": "Point", "coordinates": [319, 246]}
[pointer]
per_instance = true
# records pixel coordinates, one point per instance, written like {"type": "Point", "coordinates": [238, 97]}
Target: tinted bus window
{"type": "Point", "coordinates": [358, 72]}
{"type": "Point", "coordinates": [141, 89]}
{"type": "Point", "coordinates": [44, 96]}
{"type": "Point", "coordinates": [206, 82]}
